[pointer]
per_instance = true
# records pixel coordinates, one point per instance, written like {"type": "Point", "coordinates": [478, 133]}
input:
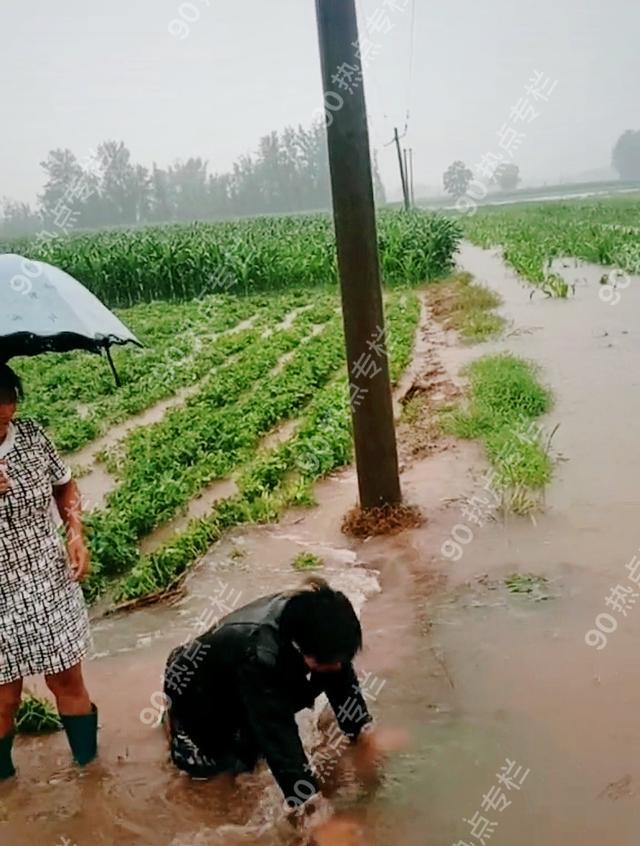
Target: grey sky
{"type": "Point", "coordinates": [76, 73]}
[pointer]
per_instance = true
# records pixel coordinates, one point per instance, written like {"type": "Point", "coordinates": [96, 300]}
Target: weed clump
{"type": "Point", "coordinates": [37, 716]}
{"type": "Point", "coordinates": [530, 585]}
{"type": "Point", "coordinates": [307, 561]}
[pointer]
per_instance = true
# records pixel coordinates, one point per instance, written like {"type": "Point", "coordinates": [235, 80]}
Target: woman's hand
{"type": "Point", "coordinates": [338, 831]}
{"type": "Point", "coordinates": [5, 481]}
{"type": "Point", "coordinates": [69, 504]}
{"type": "Point", "coordinates": [319, 826]}
{"type": "Point", "coordinates": [371, 748]}
{"type": "Point", "coordinates": [311, 813]}
{"type": "Point", "coordinates": [79, 558]}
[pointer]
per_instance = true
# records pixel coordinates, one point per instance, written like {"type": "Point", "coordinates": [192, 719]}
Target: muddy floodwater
{"type": "Point", "coordinates": [521, 733]}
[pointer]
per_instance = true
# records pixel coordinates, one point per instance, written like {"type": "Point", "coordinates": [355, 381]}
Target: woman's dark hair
{"type": "Point", "coordinates": [323, 623]}
{"type": "Point", "coordinates": [10, 385]}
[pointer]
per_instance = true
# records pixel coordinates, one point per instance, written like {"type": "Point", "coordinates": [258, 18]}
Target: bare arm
{"type": "Point", "coordinates": [69, 503]}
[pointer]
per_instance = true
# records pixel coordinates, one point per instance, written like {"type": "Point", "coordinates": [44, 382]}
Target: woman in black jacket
{"type": "Point", "coordinates": [242, 682]}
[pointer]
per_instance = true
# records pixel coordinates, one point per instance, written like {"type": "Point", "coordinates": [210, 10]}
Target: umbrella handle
{"type": "Point", "coordinates": [113, 367]}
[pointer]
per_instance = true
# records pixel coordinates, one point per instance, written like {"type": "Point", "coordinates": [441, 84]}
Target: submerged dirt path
{"type": "Point", "coordinates": [527, 686]}
{"type": "Point", "coordinates": [477, 675]}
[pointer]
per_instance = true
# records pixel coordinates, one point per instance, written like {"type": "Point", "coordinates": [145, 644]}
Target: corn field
{"type": "Point", "coordinates": [532, 235]}
{"type": "Point", "coordinates": [247, 256]}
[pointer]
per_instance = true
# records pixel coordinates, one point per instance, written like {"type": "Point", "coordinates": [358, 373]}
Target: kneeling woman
{"type": "Point", "coordinates": [44, 628]}
{"type": "Point", "coordinates": [235, 690]}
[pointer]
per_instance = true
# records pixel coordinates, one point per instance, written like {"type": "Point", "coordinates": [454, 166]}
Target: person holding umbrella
{"type": "Point", "coordinates": [44, 626]}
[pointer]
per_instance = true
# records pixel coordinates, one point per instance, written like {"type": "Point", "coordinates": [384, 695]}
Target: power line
{"type": "Point", "coordinates": [412, 46]}
{"type": "Point", "coordinates": [372, 78]}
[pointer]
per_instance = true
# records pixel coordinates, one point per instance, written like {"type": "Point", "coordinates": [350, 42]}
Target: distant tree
{"type": "Point", "coordinates": [18, 219]}
{"type": "Point", "coordinates": [314, 155]}
{"type": "Point", "coordinates": [189, 189]}
{"type": "Point", "coordinates": [274, 169]}
{"type": "Point", "coordinates": [62, 170]}
{"type": "Point", "coordinates": [89, 200]}
{"type": "Point", "coordinates": [120, 186]}
{"type": "Point", "coordinates": [456, 179]}
{"type": "Point", "coordinates": [289, 172]}
{"type": "Point", "coordinates": [141, 193]}
{"type": "Point", "coordinates": [161, 196]}
{"type": "Point", "coordinates": [219, 190]}
{"type": "Point", "coordinates": [507, 176]}
{"type": "Point", "coordinates": [626, 155]}
{"type": "Point", "coordinates": [244, 195]}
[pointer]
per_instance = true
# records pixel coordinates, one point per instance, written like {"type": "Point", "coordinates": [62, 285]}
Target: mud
{"type": "Point", "coordinates": [199, 506]}
{"type": "Point", "coordinates": [279, 435]}
{"type": "Point", "coordinates": [94, 480]}
{"type": "Point", "coordinates": [475, 673]}
{"type": "Point", "coordinates": [287, 323]}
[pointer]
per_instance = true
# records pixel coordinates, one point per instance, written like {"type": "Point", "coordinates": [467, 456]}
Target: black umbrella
{"type": "Point", "coordinates": [43, 309]}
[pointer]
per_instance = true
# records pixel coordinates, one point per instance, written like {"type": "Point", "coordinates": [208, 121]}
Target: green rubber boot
{"type": "Point", "coordinates": [6, 764]}
{"type": "Point", "coordinates": [82, 734]}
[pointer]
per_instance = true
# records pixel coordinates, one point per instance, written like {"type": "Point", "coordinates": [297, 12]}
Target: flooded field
{"type": "Point", "coordinates": [481, 678]}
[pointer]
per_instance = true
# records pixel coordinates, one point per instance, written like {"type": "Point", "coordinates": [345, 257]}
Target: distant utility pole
{"type": "Point", "coordinates": [403, 178]}
{"type": "Point", "coordinates": [405, 154]}
{"type": "Point", "coordinates": [412, 191]}
{"type": "Point", "coordinates": [358, 264]}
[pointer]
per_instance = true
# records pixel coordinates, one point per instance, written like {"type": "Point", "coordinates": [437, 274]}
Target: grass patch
{"type": "Point", "coordinates": [530, 585]}
{"type": "Point", "coordinates": [37, 716]}
{"type": "Point", "coordinates": [458, 303]}
{"type": "Point", "coordinates": [307, 561]}
{"type": "Point", "coordinates": [505, 398]}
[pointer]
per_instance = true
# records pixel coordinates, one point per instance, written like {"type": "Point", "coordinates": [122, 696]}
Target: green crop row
{"type": "Point", "coordinates": [165, 465]}
{"type": "Point", "coordinates": [247, 256]}
{"type": "Point", "coordinates": [532, 235]}
{"type": "Point", "coordinates": [280, 477]}
{"type": "Point", "coordinates": [75, 397]}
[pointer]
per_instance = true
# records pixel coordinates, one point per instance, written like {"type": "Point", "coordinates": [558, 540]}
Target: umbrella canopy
{"type": "Point", "coordinates": [43, 309]}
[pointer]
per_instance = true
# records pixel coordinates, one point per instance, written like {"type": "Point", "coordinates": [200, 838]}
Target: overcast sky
{"type": "Point", "coordinates": [74, 73]}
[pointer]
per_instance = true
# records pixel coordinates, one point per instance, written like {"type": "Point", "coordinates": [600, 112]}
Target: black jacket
{"type": "Point", "coordinates": [243, 678]}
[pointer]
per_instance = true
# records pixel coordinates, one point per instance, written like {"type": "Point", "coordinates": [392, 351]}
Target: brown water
{"type": "Point", "coordinates": [476, 674]}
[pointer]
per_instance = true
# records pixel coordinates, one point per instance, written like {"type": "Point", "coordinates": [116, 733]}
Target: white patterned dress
{"type": "Point", "coordinates": [44, 627]}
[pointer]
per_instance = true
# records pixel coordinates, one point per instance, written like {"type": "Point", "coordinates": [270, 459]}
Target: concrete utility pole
{"type": "Point", "coordinates": [403, 176]}
{"type": "Point", "coordinates": [357, 242]}
{"type": "Point", "coordinates": [412, 187]}
{"type": "Point", "coordinates": [405, 154]}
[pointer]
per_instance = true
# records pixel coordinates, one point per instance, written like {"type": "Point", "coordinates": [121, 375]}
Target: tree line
{"type": "Point", "coordinates": [289, 172]}
{"type": "Point", "coordinates": [625, 159]}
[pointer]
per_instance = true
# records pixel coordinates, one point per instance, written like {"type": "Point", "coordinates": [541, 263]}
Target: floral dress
{"type": "Point", "coordinates": [44, 627]}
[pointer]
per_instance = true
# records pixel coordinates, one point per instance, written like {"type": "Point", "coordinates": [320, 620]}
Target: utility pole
{"type": "Point", "coordinates": [405, 154]}
{"type": "Point", "coordinates": [358, 263]}
{"type": "Point", "coordinates": [403, 177]}
{"type": "Point", "coordinates": [412, 192]}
